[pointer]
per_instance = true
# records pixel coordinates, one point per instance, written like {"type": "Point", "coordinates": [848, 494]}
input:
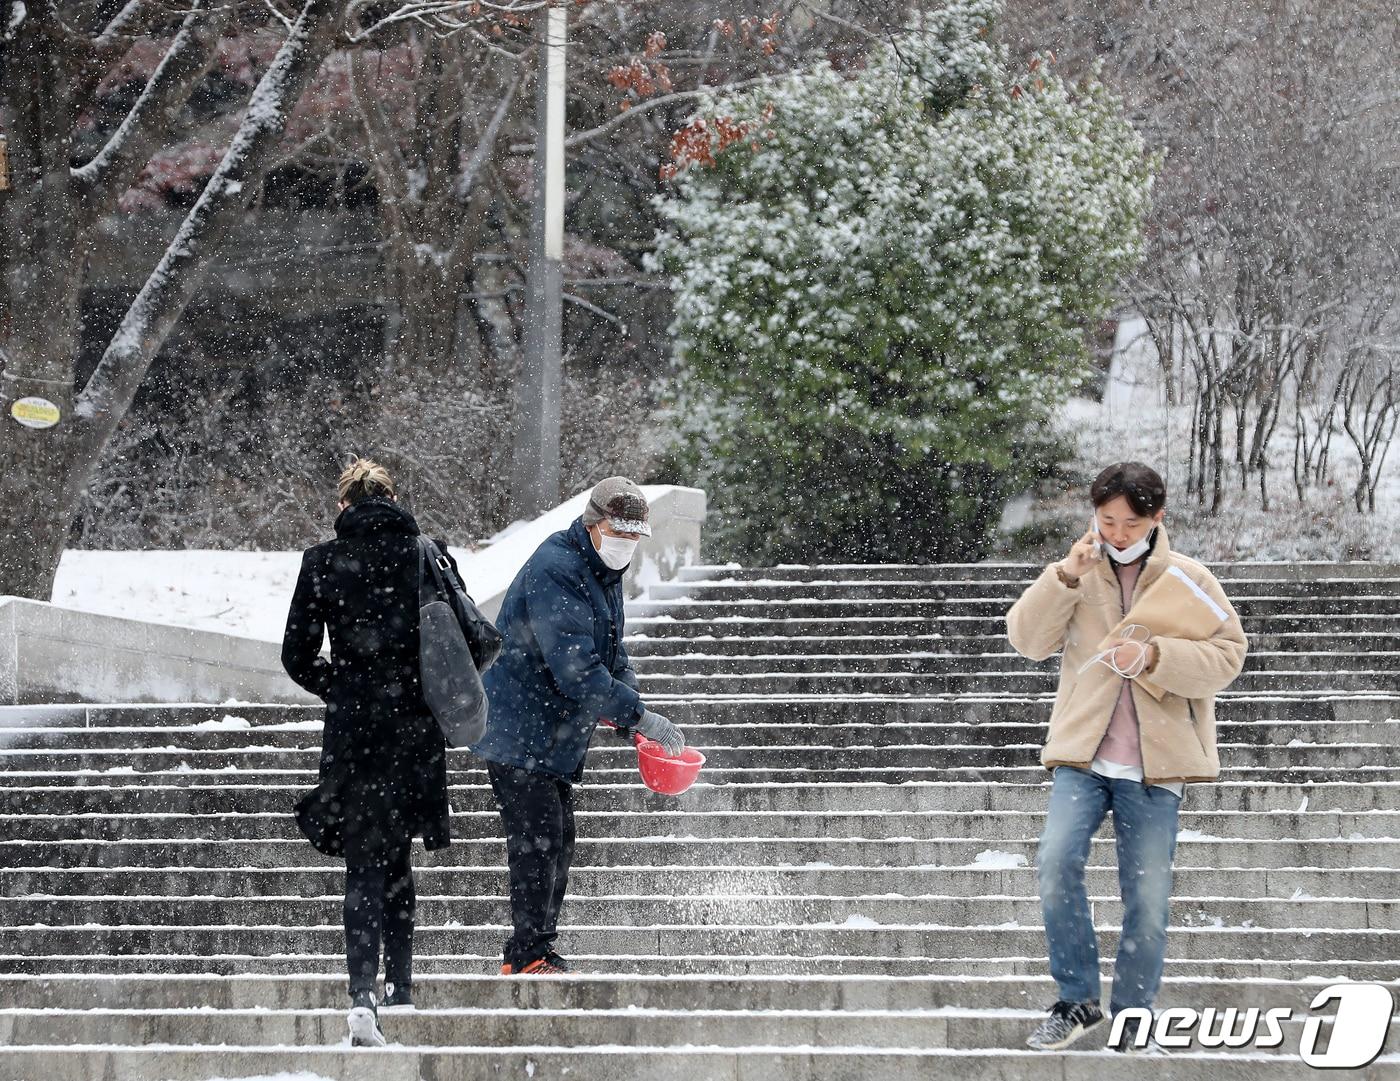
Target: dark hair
{"type": "Point", "coordinates": [1137, 483]}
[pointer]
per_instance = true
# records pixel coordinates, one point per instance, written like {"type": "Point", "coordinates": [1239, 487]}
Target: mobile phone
{"type": "Point", "coordinates": [1094, 528]}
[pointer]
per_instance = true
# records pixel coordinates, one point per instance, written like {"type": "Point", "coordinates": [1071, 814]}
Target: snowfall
{"type": "Point", "coordinates": [247, 593]}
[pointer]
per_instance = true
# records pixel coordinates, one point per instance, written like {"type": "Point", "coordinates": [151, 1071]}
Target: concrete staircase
{"type": "Point", "coordinates": [850, 890]}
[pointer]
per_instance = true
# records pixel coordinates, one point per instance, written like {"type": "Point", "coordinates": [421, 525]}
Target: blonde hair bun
{"type": "Point", "coordinates": [364, 479]}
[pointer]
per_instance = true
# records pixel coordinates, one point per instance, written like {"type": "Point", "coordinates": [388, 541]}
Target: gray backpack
{"type": "Point", "coordinates": [446, 661]}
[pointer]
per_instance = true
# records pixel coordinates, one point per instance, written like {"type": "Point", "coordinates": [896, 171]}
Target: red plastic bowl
{"type": "Point", "coordinates": [666, 775]}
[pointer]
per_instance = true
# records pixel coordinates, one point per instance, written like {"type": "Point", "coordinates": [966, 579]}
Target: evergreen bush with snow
{"type": "Point", "coordinates": [882, 279]}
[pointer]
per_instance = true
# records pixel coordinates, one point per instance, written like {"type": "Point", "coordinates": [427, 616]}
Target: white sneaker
{"type": "Point", "coordinates": [364, 1024]}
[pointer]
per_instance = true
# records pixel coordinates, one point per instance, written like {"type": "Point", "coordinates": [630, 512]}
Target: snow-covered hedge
{"type": "Point", "coordinates": [882, 279]}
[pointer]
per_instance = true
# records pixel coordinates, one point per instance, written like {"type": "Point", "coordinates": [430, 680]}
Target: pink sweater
{"type": "Point", "coordinates": [1120, 743]}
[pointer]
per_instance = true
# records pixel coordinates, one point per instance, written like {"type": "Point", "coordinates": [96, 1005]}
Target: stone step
{"type": "Point", "coordinates": [707, 823]}
{"type": "Point", "coordinates": [699, 663]}
{"type": "Point", "coordinates": [1002, 590]}
{"type": "Point", "coordinates": [922, 939]}
{"type": "Point", "coordinates": [1025, 789]}
{"type": "Point", "coordinates": [764, 901]}
{"type": "Point", "coordinates": [672, 623]}
{"type": "Point", "coordinates": [700, 732]}
{"type": "Point", "coordinates": [879, 714]}
{"type": "Point", "coordinates": [120, 788]}
{"type": "Point", "coordinates": [1281, 609]}
{"type": "Point", "coordinates": [58, 765]}
{"type": "Point", "coordinates": [659, 1063]}
{"type": "Point", "coordinates": [641, 646]}
{"type": "Point", "coordinates": [742, 710]}
{"type": "Point", "coordinates": [749, 710]}
{"type": "Point", "coordinates": [980, 683]}
{"type": "Point", "coordinates": [669, 992]}
{"type": "Point", "coordinates": [748, 852]}
{"type": "Point", "coordinates": [976, 572]}
{"type": "Point", "coordinates": [314, 876]}
{"type": "Point", "coordinates": [945, 1027]}
{"type": "Point", "coordinates": [241, 964]}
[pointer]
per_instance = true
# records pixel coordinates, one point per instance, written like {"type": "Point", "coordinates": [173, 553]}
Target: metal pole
{"type": "Point", "coordinates": [535, 463]}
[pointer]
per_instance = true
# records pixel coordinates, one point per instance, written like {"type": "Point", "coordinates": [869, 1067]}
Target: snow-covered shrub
{"type": "Point", "coordinates": [881, 281]}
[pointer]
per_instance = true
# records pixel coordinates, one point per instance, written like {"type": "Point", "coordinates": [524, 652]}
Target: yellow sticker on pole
{"type": "Point", "coordinates": [35, 412]}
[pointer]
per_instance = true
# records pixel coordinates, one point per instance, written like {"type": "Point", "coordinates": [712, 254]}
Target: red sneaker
{"type": "Point", "coordinates": [541, 967]}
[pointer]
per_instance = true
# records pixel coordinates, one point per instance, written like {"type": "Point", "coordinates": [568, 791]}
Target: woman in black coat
{"type": "Point", "coordinates": [383, 769]}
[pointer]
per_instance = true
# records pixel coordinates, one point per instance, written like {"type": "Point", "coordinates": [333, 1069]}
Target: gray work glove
{"type": "Point", "coordinates": [658, 728]}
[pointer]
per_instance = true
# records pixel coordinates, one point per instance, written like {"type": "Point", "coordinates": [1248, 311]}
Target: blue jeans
{"type": "Point", "coordinates": [1144, 827]}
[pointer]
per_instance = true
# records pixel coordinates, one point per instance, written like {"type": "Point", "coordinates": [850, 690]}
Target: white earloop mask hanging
{"type": "Point", "coordinates": [1138, 636]}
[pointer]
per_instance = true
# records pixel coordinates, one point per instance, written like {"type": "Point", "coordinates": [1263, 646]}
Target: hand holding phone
{"type": "Point", "coordinates": [1086, 551]}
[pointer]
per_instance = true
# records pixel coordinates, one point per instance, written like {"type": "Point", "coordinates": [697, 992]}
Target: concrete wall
{"type": "Point", "coordinates": [52, 654]}
{"type": "Point", "coordinates": [677, 519]}
{"type": "Point", "coordinates": [9, 647]}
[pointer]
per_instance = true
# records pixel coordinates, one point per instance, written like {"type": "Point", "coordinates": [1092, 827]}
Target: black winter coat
{"type": "Point", "coordinates": [383, 771]}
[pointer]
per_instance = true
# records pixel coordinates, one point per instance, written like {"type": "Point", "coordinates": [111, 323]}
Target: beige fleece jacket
{"type": "Point", "coordinates": [1177, 733]}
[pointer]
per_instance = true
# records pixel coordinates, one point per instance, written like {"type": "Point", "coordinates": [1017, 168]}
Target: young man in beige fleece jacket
{"type": "Point", "coordinates": [1114, 747]}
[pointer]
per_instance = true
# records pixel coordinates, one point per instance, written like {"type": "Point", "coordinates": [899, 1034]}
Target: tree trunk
{"type": "Point", "coordinates": [43, 471]}
{"type": "Point", "coordinates": [428, 282]}
{"type": "Point", "coordinates": [43, 258]}
{"type": "Point", "coordinates": [36, 485]}
{"type": "Point", "coordinates": [1218, 463]}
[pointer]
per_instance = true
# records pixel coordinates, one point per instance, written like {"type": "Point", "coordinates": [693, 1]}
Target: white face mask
{"type": "Point", "coordinates": [615, 552]}
{"type": "Point", "coordinates": [1132, 553]}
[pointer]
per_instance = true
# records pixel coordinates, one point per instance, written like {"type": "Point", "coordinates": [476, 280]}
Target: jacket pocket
{"type": "Point", "coordinates": [1191, 720]}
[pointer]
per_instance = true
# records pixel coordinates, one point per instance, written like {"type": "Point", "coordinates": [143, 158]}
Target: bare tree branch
{"type": "Point", "coordinates": [444, 16]}
{"type": "Point", "coordinates": [466, 180]}
{"type": "Point", "coordinates": [125, 24]}
{"type": "Point", "coordinates": [103, 179]}
{"type": "Point", "coordinates": [386, 158]}
{"type": "Point", "coordinates": [278, 14]}
{"type": "Point", "coordinates": [641, 109]}
{"type": "Point", "coordinates": [162, 300]}
{"type": "Point", "coordinates": [602, 313]}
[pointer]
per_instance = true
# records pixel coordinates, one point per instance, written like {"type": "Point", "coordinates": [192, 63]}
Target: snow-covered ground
{"type": "Point", "coordinates": [248, 593]}
{"type": "Point", "coordinates": [1134, 423]}
{"type": "Point", "coordinates": [242, 593]}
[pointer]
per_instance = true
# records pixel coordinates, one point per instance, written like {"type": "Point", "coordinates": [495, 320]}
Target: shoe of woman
{"type": "Point", "coordinates": [364, 1021]}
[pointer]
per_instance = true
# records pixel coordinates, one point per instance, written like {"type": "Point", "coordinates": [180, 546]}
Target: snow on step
{"type": "Point", "coordinates": [855, 870]}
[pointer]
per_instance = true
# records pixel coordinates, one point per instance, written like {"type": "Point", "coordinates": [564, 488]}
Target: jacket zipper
{"type": "Point", "coordinates": [1132, 697]}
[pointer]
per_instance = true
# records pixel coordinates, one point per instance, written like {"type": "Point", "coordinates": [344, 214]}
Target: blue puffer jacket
{"type": "Point", "coordinates": [562, 664]}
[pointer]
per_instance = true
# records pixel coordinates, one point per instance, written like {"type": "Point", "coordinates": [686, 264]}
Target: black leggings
{"type": "Point", "coordinates": [379, 903]}
{"type": "Point", "coordinates": [537, 811]}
